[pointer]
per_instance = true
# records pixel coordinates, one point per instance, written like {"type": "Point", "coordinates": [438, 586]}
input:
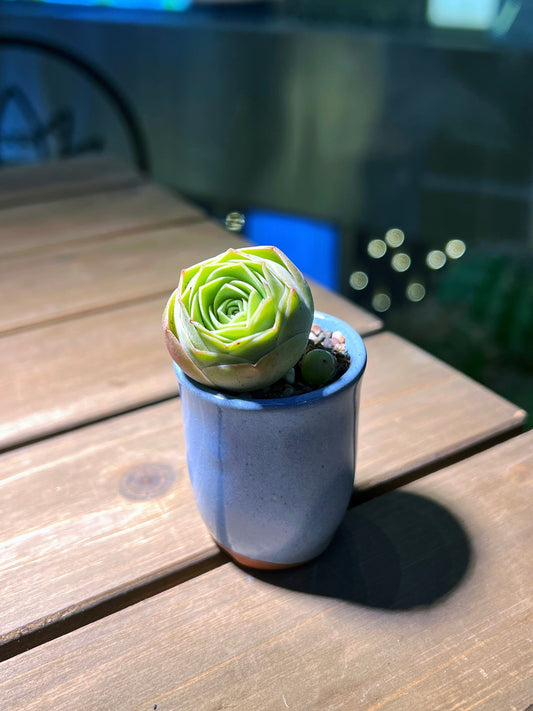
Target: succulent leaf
{"type": "Point", "coordinates": [240, 320]}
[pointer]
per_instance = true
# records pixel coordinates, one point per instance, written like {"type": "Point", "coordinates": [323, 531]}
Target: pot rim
{"type": "Point", "coordinates": [358, 358]}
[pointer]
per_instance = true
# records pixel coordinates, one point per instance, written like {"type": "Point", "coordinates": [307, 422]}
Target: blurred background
{"type": "Point", "coordinates": [386, 147]}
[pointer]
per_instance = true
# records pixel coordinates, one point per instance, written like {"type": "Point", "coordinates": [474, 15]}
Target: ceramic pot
{"type": "Point", "coordinates": [272, 478]}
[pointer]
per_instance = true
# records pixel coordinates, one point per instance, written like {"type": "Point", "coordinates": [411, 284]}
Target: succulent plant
{"type": "Point", "coordinates": [240, 320]}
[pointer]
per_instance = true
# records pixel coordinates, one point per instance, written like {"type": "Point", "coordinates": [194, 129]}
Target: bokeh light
{"type": "Point", "coordinates": [436, 259]}
{"type": "Point", "coordinates": [358, 280]}
{"type": "Point", "coordinates": [401, 262]}
{"type": "Point", "coordinates": [394, 237]}
{"type": "Point", "coordinates": [415, 291]}
{"type": "Point", "coordinates": [381, 302]}
{"type": "Point", "coordinates": [376, 248]}
{"type": "Point", "coordinates": [455, 248]}
{"type": "Point", "coordinates": [234, 221]}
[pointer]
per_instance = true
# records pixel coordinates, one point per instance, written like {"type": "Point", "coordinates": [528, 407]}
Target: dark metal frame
{"type": "Point", "coordinates": [129, 119]}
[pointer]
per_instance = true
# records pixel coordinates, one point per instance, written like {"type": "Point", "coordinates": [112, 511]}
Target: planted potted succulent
{"type": "Point", "coordinates": [269, 392]}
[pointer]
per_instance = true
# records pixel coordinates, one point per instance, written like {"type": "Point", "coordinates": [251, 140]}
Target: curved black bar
{"type": "Point", "coordinates": [135, 134]}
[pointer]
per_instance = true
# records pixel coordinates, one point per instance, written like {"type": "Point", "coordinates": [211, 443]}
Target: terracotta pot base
{"type": "Point", "coordinates": [257, 564]}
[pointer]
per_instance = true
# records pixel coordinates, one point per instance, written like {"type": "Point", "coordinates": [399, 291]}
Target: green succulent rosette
{"type": "Point", "coordinates": [239, 321]}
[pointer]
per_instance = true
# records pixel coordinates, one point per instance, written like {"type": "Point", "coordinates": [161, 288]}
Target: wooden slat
{"type": "Point", "coordinates": [78, 371]}
{"type": "Point", "coordinates": [97, 215]}
{"type": "Point", "coordinates": [421, 411]}
{"type": "Point", "coordinates": [75, 278]}
{"type": "Point", "coordinates": [75, 371]}
{"type": "Point", "coordinates": [63, 525]}
{"type": "Point", "coordinates": [422, 601]}
{"type": "Point", "coordinates": [67, 280]}
{"type": "Point", "coordinates": [26, 184]}
{"type": "Point", "coordinates": [88, 534]}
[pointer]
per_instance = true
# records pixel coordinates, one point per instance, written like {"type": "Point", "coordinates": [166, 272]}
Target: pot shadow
{"type": "Point", "coordinates": [396, 552]}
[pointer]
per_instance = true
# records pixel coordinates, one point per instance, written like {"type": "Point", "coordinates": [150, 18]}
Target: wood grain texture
{"type": "Point", "coordinates": [423, 601]}
{"type": "Point", "coordinates": [75, 371]}
{"type": "Point", "coordinates": [59, 528]}
{"type": "Point", "coordinates": [26, 184]}
{"type": "Point", "coordinates": [421, 411]}
{"type": "Point", "coordinates": [75, 278]}
{"type": "Point", "coordinates": [111, 509]}
{"type": "Point", "coordinates": [34, 227]}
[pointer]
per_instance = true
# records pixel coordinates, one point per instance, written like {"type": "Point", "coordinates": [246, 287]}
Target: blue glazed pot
{"type": "Point", "coordinates": [272, 478]}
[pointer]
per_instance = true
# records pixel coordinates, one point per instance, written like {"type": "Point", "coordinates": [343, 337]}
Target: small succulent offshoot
{"type": "Point", "coordinates": [317, 367]}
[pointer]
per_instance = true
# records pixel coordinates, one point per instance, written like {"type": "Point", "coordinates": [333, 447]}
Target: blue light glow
{"type": "Point", "coordinates": [173, 5]}
{"type": "Point", "coordinates": [311, 244]}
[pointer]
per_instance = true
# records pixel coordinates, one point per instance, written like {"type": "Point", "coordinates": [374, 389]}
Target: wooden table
{"type": "Point", "coordinates": [113, 594]}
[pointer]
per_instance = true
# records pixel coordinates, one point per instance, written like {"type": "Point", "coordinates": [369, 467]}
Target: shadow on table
{"type": "Point", "coordinates": [396, 552]}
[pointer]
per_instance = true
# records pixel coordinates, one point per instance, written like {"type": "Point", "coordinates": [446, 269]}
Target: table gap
{"type": "Point", "coordinates": [85, 423]}
{"type": "Point", "coordinates": [61, 193]}
{"type": "Point", "coordinates": [87, 175]}
{"type": "Point", "coordinates": [77, 619]}
{"type": "Point", "coordinates": [71, 621]}
{"type": "Point", "coordinates": [360, 496]}
{"type": "Point", "coordinates": [108, 236]}
{"type": "Point", "coordinates": [86, 312]}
